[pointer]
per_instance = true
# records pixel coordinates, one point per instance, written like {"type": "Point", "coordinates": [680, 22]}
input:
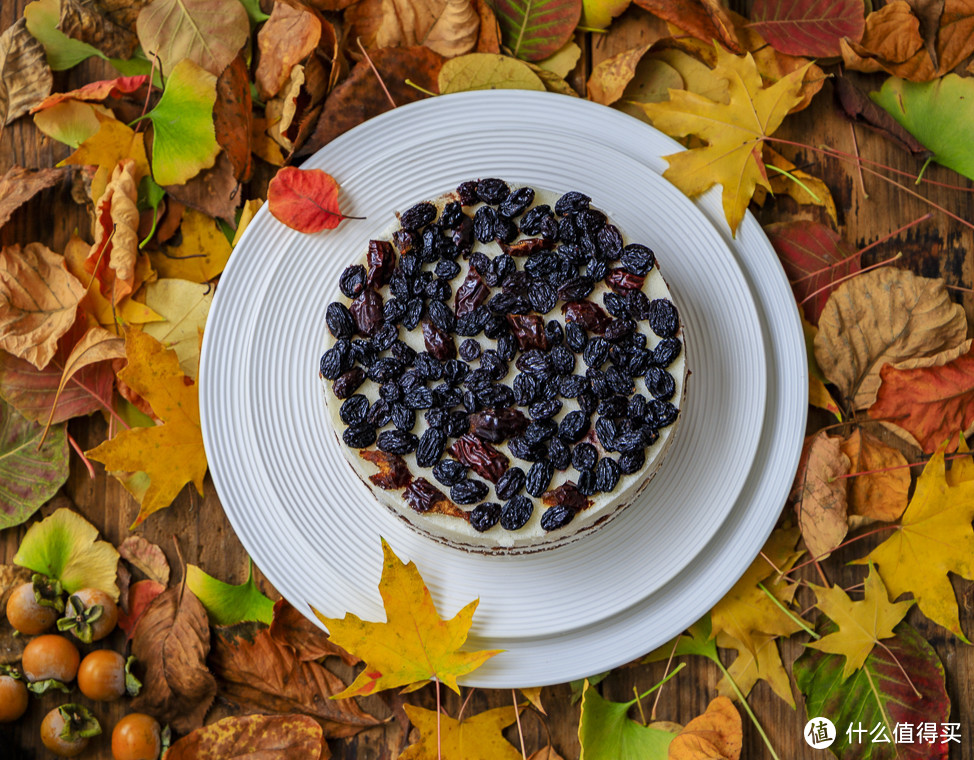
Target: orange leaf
{"type": "Point", "coordinates": [305, 200]}
{"type": "Point", "coordinates": [932, 403]}
{"type": "Point", "coordinates": [95, 91]}
{"type": "Point", "coordinates": [715, 735]}
{"type": "Point", "coordinates": [289, 36]}
{"type": "Point", "coordinates": [252, 736]}
{"type": "Point", "coordinates": [171, 453]}
{"type": "Point", "coordinates": [115, 250]}
{"type": "Point", "coordinates": [38, 301]}
{"type": "Point", "coordinates": [881, 491]}
{"type": "Point", "coordinates": [141, 594]}
{"type": "Point", "coordinates": [415, 645]}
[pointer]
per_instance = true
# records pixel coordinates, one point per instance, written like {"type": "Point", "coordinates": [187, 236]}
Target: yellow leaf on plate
{"type": "Point", "coordinates": [477, 737]}
{"type": "Point", "coordinates": [934, 538]}
{"type": "Point", "coordinates": [171, 454]}
{"type": "Point", "coordinates": [861, 624]}
{"type": "Point", "coordinates": [414, 645]}
{"type": "Point", "coordinates": [735, 132]}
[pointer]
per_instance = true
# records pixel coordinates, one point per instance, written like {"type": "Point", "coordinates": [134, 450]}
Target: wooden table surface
{"type": "Point", "coordinates": [939, 247]}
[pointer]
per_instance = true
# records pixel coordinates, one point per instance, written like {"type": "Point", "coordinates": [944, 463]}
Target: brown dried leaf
{"type": "Point", "coordinates": [611, 77]}
{"type": "Point", "coordinates": [456, 31]}
{"type": "Point", "coordinates": [882, 317]}
{"type": "Point", "coordinates": [25, 77]}
{"type": "Point", "coordinates": [253, 737]}
{"type": "Point", "coordinates": [715, 735]}
{"type": "Point", "coordinates": [360, 97]}
{"type": "Point", "coordinates": [489, 37]}
{"type": "Point", "coordinates": [307, 640]}
{"type": "Point", "coordinates": [261, 674]}
{"type": "Point", "coordinates": [883, 493]}
{"type": "Point", "coordinates": [823, 501]}
{"type": "Point", "coordinates": [147, 557]}
{"type": "Point", "coordinates": [449, 27]}
{"type": "Point", "coordinates": [171, 641]}
{"type": "Point", "coordinates": [707, 20]}
{"type": "Point", "coordinates": [140, 595]}
{"type": "Point", "coordinates": [109, 25]}
{"type": "Point", "coordinates": [19, 185]}
{"type": "Point", "coordinates": [214, 191]}
{"type": "Point", "coordinates": [38, 301]}
{"type": "Point", "coordinates": [288, 37]}
{"type": "Point", "coordinates": [546, 753]}
{"type": "Point", "coordinates": [233, 116]}
{"type": "Point", "coordinates": [929, 12]}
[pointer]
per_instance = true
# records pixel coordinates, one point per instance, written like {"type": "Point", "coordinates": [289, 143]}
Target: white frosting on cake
{"type": "Point", "coordinates": [457, 531]}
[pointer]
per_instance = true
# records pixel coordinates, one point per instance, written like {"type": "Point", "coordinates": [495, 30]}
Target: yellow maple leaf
{"type": "Point", "coordinates": [861, 624]}
{"type": "Point", "coordinates": [478, 737]}
{"type": "Point", "coordinates": [746, 610]}
{"type": "Point", "coordinates": [747, 668]}
{"type": "Point", "coordinates": [171, 454]}
{"type": "Point", "coordinates": [934, 538]}
{"type": "Point", "coordinates": [414, 645]}
{"type": "Point", "coordinates": [113, 142]}
{"type": "Point", "coordinates": [735, 131]}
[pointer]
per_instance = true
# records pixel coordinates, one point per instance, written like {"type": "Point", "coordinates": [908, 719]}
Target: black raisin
{"type": "Point", "coordinates": [414, 313]}
{"type": "Point", "coordinates": [531, 222]}
{"type": "Point", "coordinates": [534, 362]}
{"type": "Point", "coordinates": [516, 202]}
{"type": "Point", "coordinates": [630, 441]}
{"type": "Point", "coordinates": [428, 366]}
{"type": "Point", "coordinates": [352, 281]}
{"type": "Point", "coordinates": [572, 201]}
{"type": "Point", "coordinates": [510, 483]}
{"type": "Point", "coordinates": [539, 478]}
{"type": "Point", "coordinates": [544, 410]}
{"type": "Point", "coordinates": [596, 352]}
{"type": "Point", "coordinates": [573, 386]}
{"type": "Point", "coordinates": [660, 383]}
{"type": "Point", "coordinates": [430, 447]}
{"type": "Point", "coordinates": [539, 431]}
{"type": "Point", "coordinates": [615, 304]}
{"type": "Point", "coordinates": [584, 456]}
{"type": "Point", "coordinates": [663, 412]}
{"type": "Point", "coordinates": [467, 192]}
{"type": "Point", "coordinates": [495, 367]}
{"type": "Point", "coordinates": [402, 417]}
{"type": "Point", "coordinates": [417, 216]}
{"type": "Point", "coordinates": [556, 517]}
{"type": "Point", "coordinates": [573, 426]}
{"type": "Point", "coordinates": [606, 431]}
{"type": "Point", "coordinates": [666, 351]}
{"type": "Point", "coordinates": [333, 364]}
{"type": "Point", "coordinates": [449, 471]}
{"type": "Point", "coordinates": [397, 441]}
{"type": "Point", "coordinates": [542, 297]}
{"type": "Point", "coordinates": [468, 491]}
{"type": "Point", "coordinates": [459, 424]}
{"type": "Point", "coordinates": [442, 315]}
{"type": "Point", "coordinates": [609, 242]}
{"type": "Point", "coordinates": [607, 474]}
{"type": "Point", "coordinates": [353, 409]}
{"type": "Point", "coordinates": [576, 289]}
{"type": "Point", "coordinates": [525, 388]}
{"type": "Point", "coordinates": [384, 337]}
{"type": "Point", "coordinates": [485, 516]}
{"type": "Point", "coordinates": [516, 512]}
{"type": "Point", "coordinates": [632, 461]}
{"type": "Point", "coordinates": [359, 436]}
{"type": "Point", "coordinates": [575, 336]}
{"type": "Point", "coordinates": [587, 482]}
{"type": "Point", "coordinates": [663, 318]}
{"type": "Point", "coordinates": [447, 269]}
{"type": "Point", "coordinates": [507, 347]}
{"type": "Point", "coordinates": [637, 259]}
{"type": "Point", "coordinates": [505, 230]}
{"type": "Point", "coordinates": [637, 408]}
{"type": "Point", "coordinates": [384, 369]}
{"type": "Point", "coordinates": [419, 398]}
{"type": "Point", "coordinates": [492, 190]}
{"type": "Point", "coordinates": [348, 382]}
{"type": "Point", "coordinates": [469, 350]}
{"type": "Point", "coordinates": [559, 454]}
{"type": "Point", "coordinates": [484, 225]}
{"type": "Point", "coordinates": [619, 381]}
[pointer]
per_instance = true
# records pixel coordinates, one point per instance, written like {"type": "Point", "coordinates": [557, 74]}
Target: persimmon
{"type": "Point", "coordinates": [90, 614]}
{"type": "Point", "coordinates": [101, 675]}
{"type": "Point", "coordinates": [26, 613]}
{"type": "Point", "coordinates": [13, 698]}
{"type": "Point", "coordinates": [66, 730]}
{"type": "Point", "coordinates": [137, 736]}
{"type": "Point", "coordinates": [50, 657]}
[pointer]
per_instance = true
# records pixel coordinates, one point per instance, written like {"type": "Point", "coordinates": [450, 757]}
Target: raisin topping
{"type": "Point", "coordinates": [382, 261]}
{"type": "Point", "coordinates": [529, 331]}
{"type": "Point", "coordinates": [422, 495]}
{"type": "Point", "coordinates": [393, 471]}
{"type": "Point", "coordinates": [480, 457]}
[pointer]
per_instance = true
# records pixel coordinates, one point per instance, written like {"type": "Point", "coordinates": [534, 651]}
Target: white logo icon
{"type": "Point", "coordinates": [820, 733]}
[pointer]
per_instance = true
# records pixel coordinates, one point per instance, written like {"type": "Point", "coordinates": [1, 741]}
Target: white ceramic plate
{"type": "Point", "coordinates": [313, 527]}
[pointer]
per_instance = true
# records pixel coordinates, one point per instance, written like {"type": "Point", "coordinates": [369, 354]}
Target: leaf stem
{"type": "Point", "coordinates": [832, 284]}
{"type": "Point", "coordinates": [439, 744]}
{"type": "Point", "coordinates": [382, 84]}
{"type": "Point", "coordinates": [464, 705]}
{"type": "Point", "coordinates": [423, 90]}
{"type": "Point", "coordinates": [747, 707]}
{"type": "Point", "coordinates": [852, 540]}
{"type": "Point", "coordinates": [923, 169]}
{"type": "Point", "coordinates": [795, 179]}
{"type": "Point", "coordinates": [87, 462]}
{"type": "Point", "coordinates": [520, 731]}
{"type": "Point", "coordinates": [794, 618]}
{"type": "Point", "coordinates": [669, 661]}
{"type": "Point", "coordinates": [855, 142]}
{"type": "Point", "coordinates": [900, 666]}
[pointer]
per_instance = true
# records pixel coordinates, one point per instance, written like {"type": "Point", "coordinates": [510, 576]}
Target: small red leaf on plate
{"type": "Point", "coordinates": [808, 27]}
{"type": "Point", "coordinates": [305, 200]}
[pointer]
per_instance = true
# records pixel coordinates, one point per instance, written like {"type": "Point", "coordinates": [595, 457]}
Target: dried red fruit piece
{"type": "Point", "coordinates": [382, 263]}
{"type": "Point", "coordinates": [527, 246]}
{"type": "Point", "coordinates": [496, 425]}
{"type": "Point", "coordinates": [480, 457]}
{"type": "Point", "coordinates": [529, 331]}
{"type": "Point", "coordinates": [567, 494]}
{"type": "Point", "coordinates": [471, 293]}
{"type": "Point", "coordinates": [393, 471]}
{"type": "Point", "coordinates": [438, 343]}
{"type": "Point", "coordinates": [622, 281]}
{"type": "Point", "coordinates": [591, 316]}
{"type": "Point", "coordinates": [422, 495]}
{"type": "Point", "coordinates": [367, 312]}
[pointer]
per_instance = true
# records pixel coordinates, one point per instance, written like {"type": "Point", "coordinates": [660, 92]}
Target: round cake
{"type": "Point", "coordinates": [504, 368]}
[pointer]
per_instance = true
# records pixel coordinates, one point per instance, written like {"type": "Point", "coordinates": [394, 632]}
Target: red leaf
{"type": "Point", "coordinates": [932, 403]}
{"type": "Point", "coordinates": [141, 595]}
{"type": "Point", "coordinates": [808, 27]}
{"type": "Point", "coordinates": [305, 200]}
{"type": "Point", "coordinates": [95, 91]}
{"type": "Point", "coordinates": [810, 253]}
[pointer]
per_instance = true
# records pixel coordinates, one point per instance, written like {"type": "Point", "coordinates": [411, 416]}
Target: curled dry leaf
{"type": "Point", "coordinates": [233, 117]}
{"type": "Point", "coordinates": [305, 200]}
{"type": "Point", "coordinates": [19, 185]}
{"type": "Point", "coordinates": [449, 27]}
{"type": "Point", "coordinates": [285, 40]}
{"type": "Point", "coordinates": [707, 20]}
{"type": "Point", "coordinates": [38, 301]}
{"type": "Point", "coordinates": [717, 733]}
{"type": "Point", "coordinates": [881, 491]}
{"type": "Point", "coordinates": [489, 36]}
{"type": "Point", "coordinates": [99, 90]}
{"type": "Point", "coordinates": [252, 736]}
{"type": "Point", "coordinates": [610, 77]}
{"type": "Point", "coordinates": [361, 97]}
{"type": "Point", "coordinates": [147, 557]}
{"type": "Point", "coordinates": [882, 317]}
{"type": "Point", "coordinates": [25, 77]}
{"type": "Point", "coordinates": [171, 641]}
{"type": "Point", "coordinates": [307, 640]}
{"type": "Point", "coordinates": [259, 673]}
{"type": "Point", "coordinates": [807, 190]}
{"type": "Point", "coordinates": [456, 31]}
{"type": "Point", "coordinates": [209, 33]}
{"type": "Point", "coordinates": [116, 247]}
{"type": "Point", "coordinates": [108, 25]}
{"type": "Point", "coordinates": [935, 404]}
{"type": "Point", "coordinates": [823, 502]}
